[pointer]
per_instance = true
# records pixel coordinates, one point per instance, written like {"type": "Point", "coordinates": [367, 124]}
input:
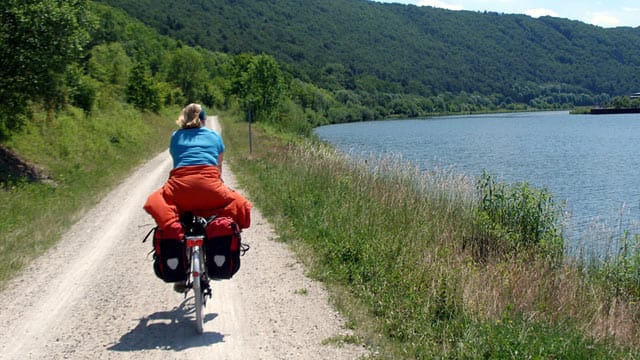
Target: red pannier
{"type": "Point", "coordinates": [223, 247]}
{"type": "Point", "coordinates": [170, 258]}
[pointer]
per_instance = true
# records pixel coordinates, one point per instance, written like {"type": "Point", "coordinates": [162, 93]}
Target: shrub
{"type": "Point", "coordinates": [515, 217]}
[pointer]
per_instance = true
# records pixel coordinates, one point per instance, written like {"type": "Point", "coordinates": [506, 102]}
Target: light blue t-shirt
{"type": "Point", "coordinates": [197, 146]}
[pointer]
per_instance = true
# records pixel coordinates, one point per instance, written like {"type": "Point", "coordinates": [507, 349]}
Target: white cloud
{"type": "Point", "coordinates": [536, 13]}
{"type": "Point", "coordinates": [597, 12]}
{"type": "Point", "coordinates": [604, 20]}
{"type": "Point", "coordinates": [440, 4]}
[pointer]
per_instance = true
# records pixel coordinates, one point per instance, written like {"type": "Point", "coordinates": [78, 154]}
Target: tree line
{"type": "Point", "coordinates": [81, 52]}
{"type": "Point", "coordinates": [366, 46]}
{"type": "Point", "coordinates": [78, 53]}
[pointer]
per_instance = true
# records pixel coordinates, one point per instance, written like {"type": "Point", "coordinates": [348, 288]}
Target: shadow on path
{"type": "Point", "coordinates": [168, 330]}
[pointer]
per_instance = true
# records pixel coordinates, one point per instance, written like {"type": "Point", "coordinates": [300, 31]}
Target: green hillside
{"type": "Point", "coordinates": [432, 268]}
{"type": "Point", "coordinates": [368, 46]}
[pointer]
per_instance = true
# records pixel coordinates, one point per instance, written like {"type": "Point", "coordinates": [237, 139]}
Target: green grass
{"type": "Point", "coordinates": [399, 251]}
{"type": "Point", "coordinates": [84, 156]}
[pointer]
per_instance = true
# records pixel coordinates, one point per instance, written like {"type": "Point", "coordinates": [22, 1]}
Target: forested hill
{"type": "Point", "coordinates": [358, 44]}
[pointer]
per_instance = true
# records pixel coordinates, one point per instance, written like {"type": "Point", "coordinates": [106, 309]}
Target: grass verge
{"type": "Point", "coordinates": [84, 156]}
{"type": "Point", "coordinates": [400, 252]}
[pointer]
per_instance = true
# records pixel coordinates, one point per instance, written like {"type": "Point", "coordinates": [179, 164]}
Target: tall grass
{"type": "Point", "coordinates": [401, 244]}
{"type": "Point", "coordinates": [514, 218]}
{"type": "Point", "coordinates": [84, 156]}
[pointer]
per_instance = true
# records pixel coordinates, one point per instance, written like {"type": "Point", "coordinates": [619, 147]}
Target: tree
{"type": "Point", "coordinates": [237, 84]}
{"type": "Point", "coordinates": [188, 72]}
{"type": "Point", "coordinates": [38, 40]}
{"type": "Point", "coordinates": [141, 91]}
{"type": "Point", "coordinates": [266, 85]}
{"type": "Point", "coordinates": [81, 89]}
{"type": "Point", "coordinates": [109, 63]}
{"type": "Point", "coordinates": [259, 83]}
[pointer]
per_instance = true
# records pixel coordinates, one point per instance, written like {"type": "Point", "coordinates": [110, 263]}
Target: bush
{"type": "Point", "coordinates": [141, 90]}
{"type": "Point", "coordinates": [515, 217]}
{"type": "Point", "coordinates": [84, 96]}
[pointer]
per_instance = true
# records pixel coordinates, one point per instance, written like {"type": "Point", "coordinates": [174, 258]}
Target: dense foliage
{"type": "Point", "coordinates": [444, 293]}
{"type": "Point", "coordinates": [312, 66]}
{"type": "Point", "coordinates": [38, 39]}
{"type": "Point", "coordinates": [449, 60]}
{"type": "Point", "coordinates": [625, 102]}
{"type": "Point", "coordinates": [105, 55]}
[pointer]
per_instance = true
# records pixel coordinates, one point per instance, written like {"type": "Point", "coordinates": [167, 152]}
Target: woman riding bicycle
{"type": "Point", "coordinates": [195, 184]}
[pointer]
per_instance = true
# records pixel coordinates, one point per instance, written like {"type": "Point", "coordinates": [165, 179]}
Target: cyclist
{"type": "Point", "coordinates": [195, 183]}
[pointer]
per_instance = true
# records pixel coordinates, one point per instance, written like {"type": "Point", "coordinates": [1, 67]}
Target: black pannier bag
{"type": "Point", "coordinates": [170, 259]}
{"type": "Point", "coordinates": [223, 247]}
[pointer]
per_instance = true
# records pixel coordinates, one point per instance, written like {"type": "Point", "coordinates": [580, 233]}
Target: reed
{"type": "Point", "coordinates": [398, 243]}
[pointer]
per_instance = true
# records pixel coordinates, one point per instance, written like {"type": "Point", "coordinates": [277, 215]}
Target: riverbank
{"type": "Point", "coordinates": [609, 111]}
{"type": "Point", "coordinates": [406, 263]}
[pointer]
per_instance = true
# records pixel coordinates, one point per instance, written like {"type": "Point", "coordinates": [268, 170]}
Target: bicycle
{"type": "Point", "coordinates": [181, 255]}
{"type": "Point", "coordinates": [197, 279]}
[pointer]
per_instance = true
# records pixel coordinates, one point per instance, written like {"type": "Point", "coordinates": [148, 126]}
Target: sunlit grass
{"type": "Point", "coordinates": [84, 157]}
{"type": "Point", "coordinates": [403, 244]}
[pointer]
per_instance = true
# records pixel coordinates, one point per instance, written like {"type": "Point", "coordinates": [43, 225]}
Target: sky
{"type": "Point", "coordinates": [609, 13]}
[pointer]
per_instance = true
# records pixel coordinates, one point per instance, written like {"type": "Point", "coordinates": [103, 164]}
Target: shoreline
{"type": "Point", "coordinates": [615, 111]}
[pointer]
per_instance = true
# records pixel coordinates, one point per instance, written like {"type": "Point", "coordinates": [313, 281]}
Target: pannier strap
{"type": "Point", "coordinates": [211, 218]}
{"type": "Point", "coordinates": [244, 247]}
{"type": "Point", "coordinates": [148, 234]}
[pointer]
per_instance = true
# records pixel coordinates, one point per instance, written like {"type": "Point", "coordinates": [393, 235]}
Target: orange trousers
{"type": "Point", "coordinates": [200, 190]}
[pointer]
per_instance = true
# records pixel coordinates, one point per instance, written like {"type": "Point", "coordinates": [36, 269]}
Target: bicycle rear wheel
{"type": "Point", "coordinates": [196, 273]}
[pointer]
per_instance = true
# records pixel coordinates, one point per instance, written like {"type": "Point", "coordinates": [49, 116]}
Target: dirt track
{"type": "Point", "coordinates": [95, 295]}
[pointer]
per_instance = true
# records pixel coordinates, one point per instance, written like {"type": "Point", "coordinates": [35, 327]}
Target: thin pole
{"type": "Point", "coordinates": [250, 137]}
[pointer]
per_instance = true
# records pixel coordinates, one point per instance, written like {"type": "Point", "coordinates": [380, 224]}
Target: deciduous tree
{"type": "Point", "coordinates": [38, 40]}
{"type": "Point", "coordinates": [188, 72]}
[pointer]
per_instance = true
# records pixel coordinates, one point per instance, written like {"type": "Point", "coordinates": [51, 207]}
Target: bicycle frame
{"type": "Point", "coordinates": [197, 276]}
{"type": "Point", "coordinates": [195, 244]}
{"type": "Point", "coordinates": [198, 281]}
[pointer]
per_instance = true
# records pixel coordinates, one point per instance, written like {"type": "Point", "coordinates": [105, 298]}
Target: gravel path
{"type": "Point", "coordinates": [95, 296]}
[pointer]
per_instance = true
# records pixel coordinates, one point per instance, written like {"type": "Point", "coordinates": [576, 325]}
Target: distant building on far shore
{"type": "Point", "coordinates": [635, 95]}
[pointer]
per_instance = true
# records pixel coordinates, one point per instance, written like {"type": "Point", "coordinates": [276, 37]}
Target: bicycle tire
{"type": "Point", "coordinates": [196, 272]}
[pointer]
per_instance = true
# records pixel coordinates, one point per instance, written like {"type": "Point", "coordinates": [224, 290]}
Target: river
{"type": "Point", "coordinates": [590, 162]}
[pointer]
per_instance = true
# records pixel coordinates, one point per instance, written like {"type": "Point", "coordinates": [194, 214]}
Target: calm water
{"type": "Point", "coordinates": [590, 161]}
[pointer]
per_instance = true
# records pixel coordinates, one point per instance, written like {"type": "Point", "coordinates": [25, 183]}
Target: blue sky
{"type": "Point", "coordinates": [602, 13]}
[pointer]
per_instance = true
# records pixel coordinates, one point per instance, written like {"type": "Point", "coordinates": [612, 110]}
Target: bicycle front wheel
{"type": "Point", "coordinates": [196, 273]}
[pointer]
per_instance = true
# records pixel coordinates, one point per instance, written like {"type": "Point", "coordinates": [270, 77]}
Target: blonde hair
{"type": "Point", "coordinates": [190, 117]}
